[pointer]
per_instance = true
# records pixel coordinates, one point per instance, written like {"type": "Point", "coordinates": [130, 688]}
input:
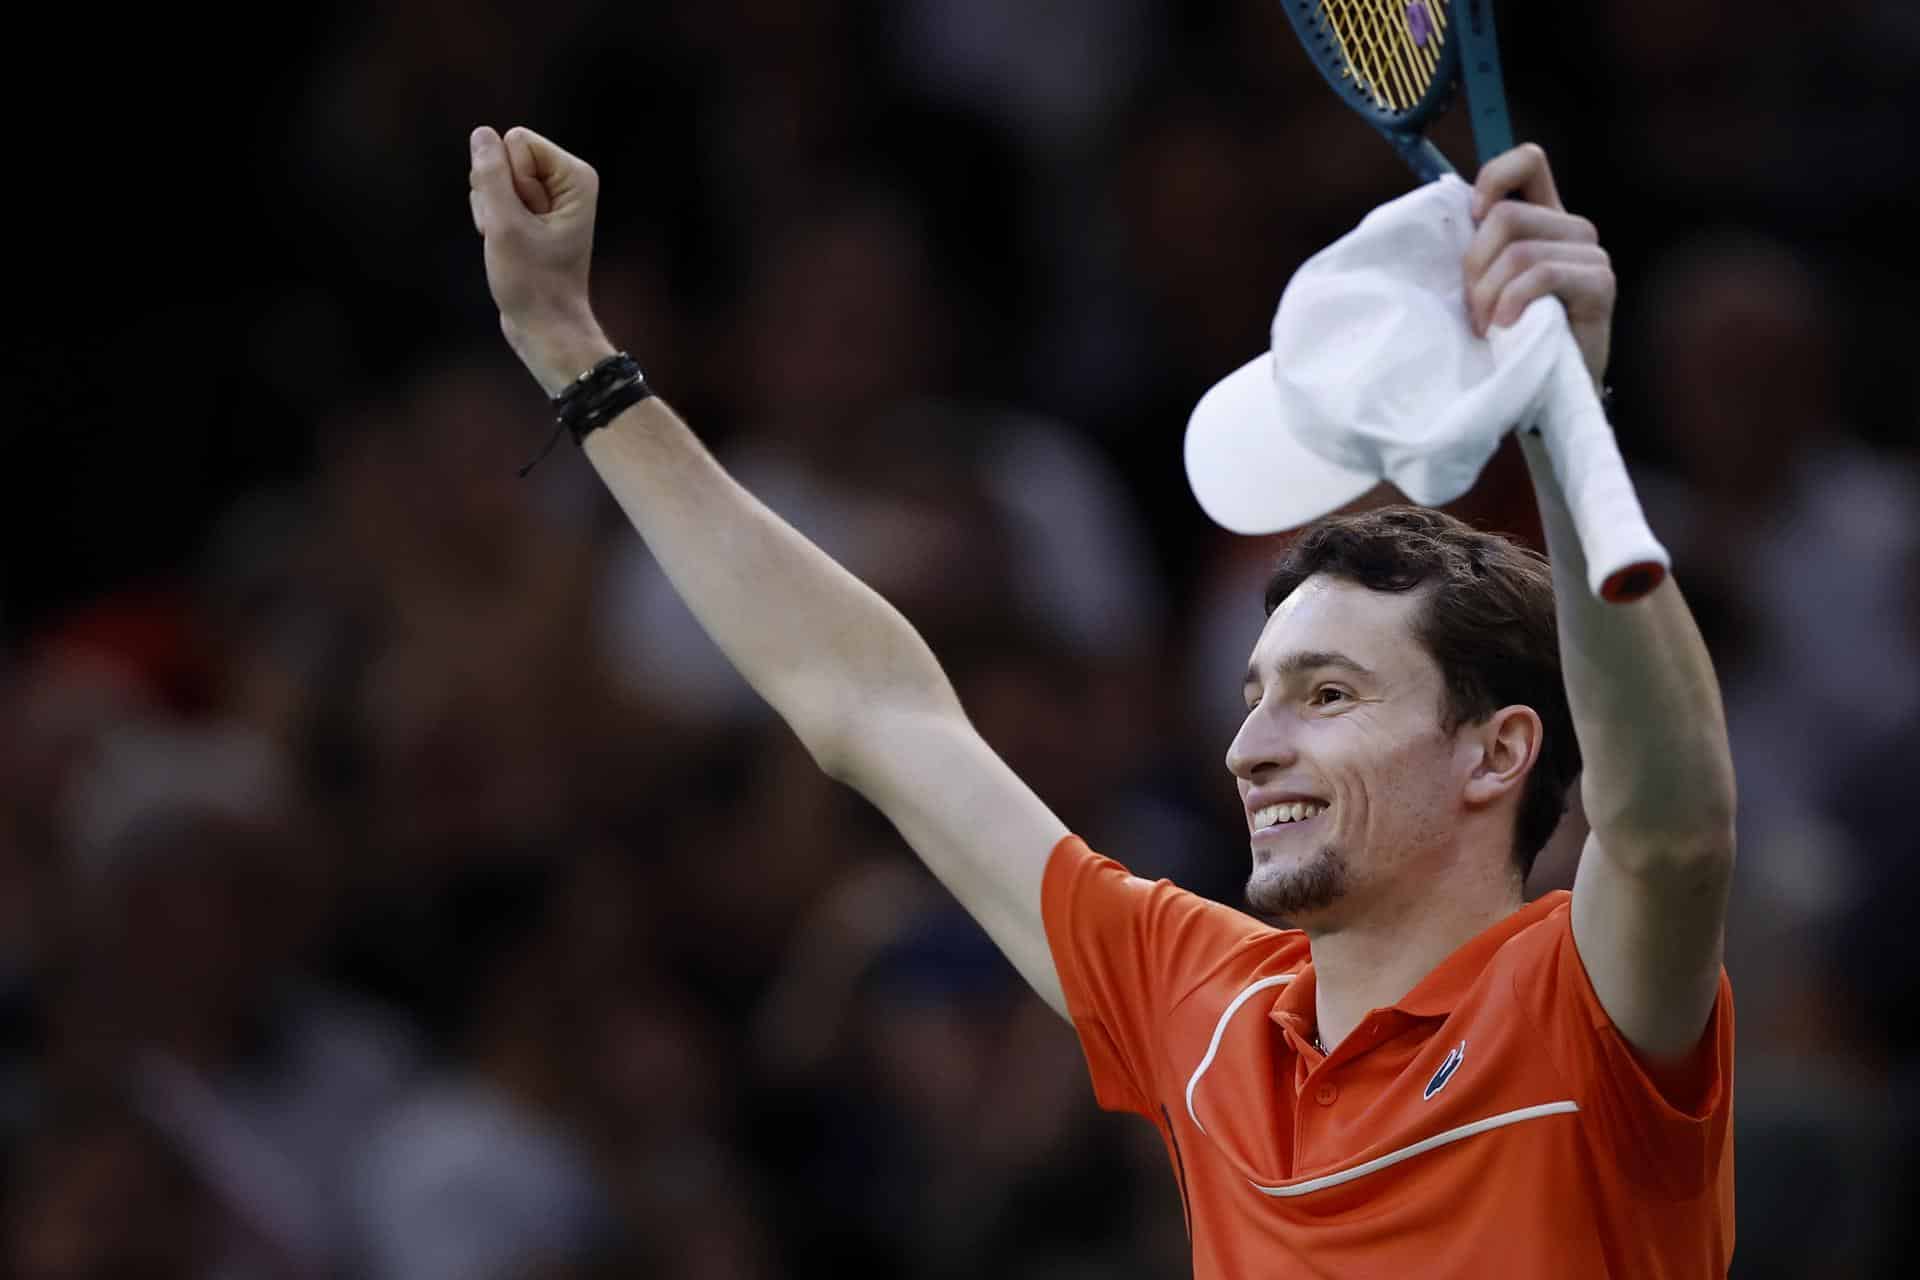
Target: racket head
{"type": "Point", "coordinates": [1394, 62]}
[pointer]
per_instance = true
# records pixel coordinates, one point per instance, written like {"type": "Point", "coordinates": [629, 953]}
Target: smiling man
{"type": "Point", "coordinates": [1425, 1076]}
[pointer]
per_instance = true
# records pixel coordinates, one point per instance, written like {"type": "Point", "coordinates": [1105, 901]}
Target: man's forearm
{"type": "Point", "coordinates": [840, 665]}
{"type": "Point", "coordinates": [1658, 776]}
{"type": "Point", "coordinates": [820, 646]}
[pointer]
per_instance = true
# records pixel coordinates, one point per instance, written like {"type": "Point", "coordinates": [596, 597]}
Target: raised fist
{"type": "Point", "coordinates": [533, 204]}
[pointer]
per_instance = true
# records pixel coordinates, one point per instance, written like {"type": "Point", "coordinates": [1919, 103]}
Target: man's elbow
{"type": "Point", "coordinates": [864, 744]}
{"type": "Point", "coordinates": [1693, 861]}
{"type": "Point", "coordinates": [838, 743]}
{"type": "Point", "coordinates": [1692, 832]}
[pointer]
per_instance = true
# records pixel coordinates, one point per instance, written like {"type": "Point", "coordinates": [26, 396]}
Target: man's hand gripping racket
{"type": "Point", "coordinates": [1397, 63]}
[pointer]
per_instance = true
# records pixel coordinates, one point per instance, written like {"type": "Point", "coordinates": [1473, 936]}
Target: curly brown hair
{"type": "Point", "coordinates": [1488, 621]}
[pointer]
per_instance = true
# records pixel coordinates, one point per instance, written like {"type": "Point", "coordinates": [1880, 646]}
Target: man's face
{"type": "Point", "coordinates": [1348, 782]}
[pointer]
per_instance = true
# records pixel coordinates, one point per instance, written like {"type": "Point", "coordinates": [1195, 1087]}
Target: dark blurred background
{"type": "Point", "coordinates": [394, 883]}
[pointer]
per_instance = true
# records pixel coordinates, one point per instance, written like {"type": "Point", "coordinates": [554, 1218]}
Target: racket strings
{"type": "Point", "coordinates": [1391, 47]}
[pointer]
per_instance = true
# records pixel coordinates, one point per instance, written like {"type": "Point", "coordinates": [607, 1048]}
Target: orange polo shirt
{"type": "Point", "coordinates": [1490, 1123]}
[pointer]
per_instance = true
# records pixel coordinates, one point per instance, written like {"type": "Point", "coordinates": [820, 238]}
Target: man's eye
{"type": "Point", "coordinates": [1327, 694]}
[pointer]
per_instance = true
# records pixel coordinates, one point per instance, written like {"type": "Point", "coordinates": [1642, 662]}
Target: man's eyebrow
{"type": "Point", "coordinates": [1309, 660]}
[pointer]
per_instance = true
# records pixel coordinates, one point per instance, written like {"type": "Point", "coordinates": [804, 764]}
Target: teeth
{"type": "Point", "coordinates": [1292, 811]}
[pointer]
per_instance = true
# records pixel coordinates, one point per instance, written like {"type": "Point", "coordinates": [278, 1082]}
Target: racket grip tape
{"type": "Point", "coordinates": [1624, 560]}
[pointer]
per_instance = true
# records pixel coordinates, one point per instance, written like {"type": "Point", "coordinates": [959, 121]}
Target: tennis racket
{"type": "Point", "coordinates": [1398, 63]}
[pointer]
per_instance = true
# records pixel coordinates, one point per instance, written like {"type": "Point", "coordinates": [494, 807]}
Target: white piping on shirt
{"type": "Point", "coordinates": [1562, 1107]}
{"type": "Point", "coordinates": [1220, 1029]}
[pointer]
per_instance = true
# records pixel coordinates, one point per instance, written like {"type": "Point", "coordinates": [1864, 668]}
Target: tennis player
{"type": "Point", "coordinates": [1427, 1075]}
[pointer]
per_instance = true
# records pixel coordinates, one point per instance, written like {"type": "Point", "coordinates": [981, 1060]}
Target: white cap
{"type": "Point", "coordinates": [1374, 374]}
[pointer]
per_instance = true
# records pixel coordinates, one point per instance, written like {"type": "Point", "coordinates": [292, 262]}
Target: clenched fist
{"type": "Point", "coordinates": [1530, 247]}
{"type": "Point", "coordinates": [533, 204]}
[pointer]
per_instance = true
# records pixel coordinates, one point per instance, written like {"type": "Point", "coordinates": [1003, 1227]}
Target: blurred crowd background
{"type": "Point", "coordinates": [394, 883]}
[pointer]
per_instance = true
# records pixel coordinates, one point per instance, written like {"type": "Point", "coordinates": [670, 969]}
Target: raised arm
{"type": "Point", "coordinates": [839, 664]}
{"type": "Point", "coordinates": [1650, 895]}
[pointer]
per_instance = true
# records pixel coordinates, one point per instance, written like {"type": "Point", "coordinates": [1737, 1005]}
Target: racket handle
{"type": "Point", "coordinates": [1624, 560]}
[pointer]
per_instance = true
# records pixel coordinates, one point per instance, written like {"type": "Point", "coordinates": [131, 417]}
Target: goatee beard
{"type": "Point", "coordinates": [1305, 889]}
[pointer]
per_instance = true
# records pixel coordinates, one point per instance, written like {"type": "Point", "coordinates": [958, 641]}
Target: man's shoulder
{"type": "Point", "coordinates": [1546, 915]}
{"type": "Point", "coordinates": [1081, 877]}
{"type": "Point", "coordinates": [1540, 964]}
{"type": "Point", "coordinates": [1265, 956]}
{"type": "Point", "coordinates": [1096, 907]}
{"type": "Point", "coordinates": [1537, 932]}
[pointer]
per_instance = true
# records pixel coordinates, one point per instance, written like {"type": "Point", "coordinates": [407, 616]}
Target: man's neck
{"type": "Point", "coordinates": [1372, 962]}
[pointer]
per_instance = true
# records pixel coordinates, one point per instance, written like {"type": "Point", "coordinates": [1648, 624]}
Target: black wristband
{"type": "Point", "coordinates": [595, 398]}
{"type": "Point", "coordinates": [599, 395]}
{"type": "Point", "coordinates": [608, 407]}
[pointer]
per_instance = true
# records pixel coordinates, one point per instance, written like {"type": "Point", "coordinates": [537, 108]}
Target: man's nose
{"type": "Point", "coordinates": [1262, 746]}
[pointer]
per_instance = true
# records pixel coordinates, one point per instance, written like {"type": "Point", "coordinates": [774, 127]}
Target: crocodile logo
{"type": "Point", "coordinates": [1455, 1057]}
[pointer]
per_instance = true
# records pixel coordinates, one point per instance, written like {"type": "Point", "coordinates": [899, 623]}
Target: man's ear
{"type": "Point", "coordinates": [1506, 744]}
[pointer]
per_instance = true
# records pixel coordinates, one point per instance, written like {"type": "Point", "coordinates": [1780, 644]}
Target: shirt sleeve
{"type": "Point", "coordinates": [1673, 1134]}
{"type": "Point", "coordinates": [1126, 950]}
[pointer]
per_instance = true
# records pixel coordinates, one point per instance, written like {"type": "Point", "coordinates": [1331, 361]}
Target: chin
{"type": "Point", "coordinates": [1298, 889]}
